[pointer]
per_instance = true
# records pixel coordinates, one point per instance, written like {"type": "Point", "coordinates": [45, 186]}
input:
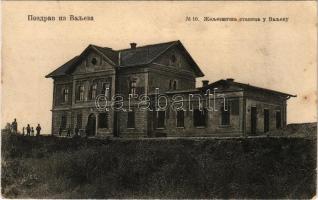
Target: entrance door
{"type": "Point", "coordinates": [266, 120]}
{"type": "Point", "coordinates": [91, 125]}
{"type": "Point", "coordinates": [253, 120]}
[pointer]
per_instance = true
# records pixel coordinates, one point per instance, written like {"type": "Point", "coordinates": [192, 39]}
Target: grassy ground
{"type": "Point", "coordinates": [49, 167]}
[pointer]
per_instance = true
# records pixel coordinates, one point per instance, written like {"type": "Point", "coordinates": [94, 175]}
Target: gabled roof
{"type": "Point", "coordinates": [138, 56]}
{"type": "Point", "coordinates": [245, 87]}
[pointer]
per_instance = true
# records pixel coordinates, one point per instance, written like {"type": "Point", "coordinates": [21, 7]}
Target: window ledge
{"type": "Point", "coordinates": [200, 127]}
{"type": "Point", "coordinates": [182, 127]}
{"type": "Point", "coordinates": [224, 126]}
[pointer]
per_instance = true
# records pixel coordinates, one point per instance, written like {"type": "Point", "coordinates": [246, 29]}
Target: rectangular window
{"type": "Point", "coordinates": [225, 112]}
{"type": "Point", "coordinates": [161, 115]}
{"type": "Point", "coordinates": [106, 89]}
{"type": "Point", "coordinates": [131, 119]}
{"type": "Point", "coordinates": [80, 93]}
{"type": "Point", "coordinates": [266, 120]}
{"type": "Point", "coordinates": [278, 119]}
{"type": "Point", "coordinates": [132, 87]}
{"type": "Point", "coordinates": [65, 95]}
{"type": "Point", "coordinates": [93, 91]}
{"type": "Point", "coordinates": [79, 120]}
{"type": "Point", "coordinates": [180, 118]}
{"type": "Point", "coordinates": [199, 117]}
{"type": "Point", "coordinates": [63, 121]}
{"type": "Point", "coordinates": [103, 120]}
{"type": "Point", "coordinates": [235, 107]}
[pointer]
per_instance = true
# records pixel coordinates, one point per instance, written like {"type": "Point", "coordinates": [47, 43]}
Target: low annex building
{"type": "Point", "coordinates": [163, 77]}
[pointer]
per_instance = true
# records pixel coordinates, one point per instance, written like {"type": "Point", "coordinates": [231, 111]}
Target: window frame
{"type": "Point", "coordinates": [204, 125]}
{"type": "Point", "coordinates": [177, 119]}
{"type": "Point", "coordinates": [157, 119]}
{"type": "Point", "coordinates": [228, 114]}
{"type": "Point", "coordinates": [133, 123]}
{"type": "Point", "coordinates": [65, 95]}
{"type": "Point", "coordinates": [106, 121]}
{"type": "Point", "coordinates": [132, 87]}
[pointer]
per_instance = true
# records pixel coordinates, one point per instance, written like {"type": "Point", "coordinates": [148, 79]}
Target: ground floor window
{"type": "Point", "coordinates": [180, 118]}
{"type": "Point", "coordinates": [225, 115]}
{"type": "Point", "coordinates": [131, 119]}
{"type": "Point", "coordinates": [278, 119]}
{"type": "Point", "coordinates": [79, 120]}
{"type": "Point", "coordinates": [103, 120]}
{"type": "Point", "coordinates": [199, 117]}
{"type": "Point", "coordinates": [63, 121]}
{"type": "Point", "coordinates": [161, 117]}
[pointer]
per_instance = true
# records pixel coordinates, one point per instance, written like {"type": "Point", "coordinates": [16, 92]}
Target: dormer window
{"type": "Point", "coordinates": [94, 61]}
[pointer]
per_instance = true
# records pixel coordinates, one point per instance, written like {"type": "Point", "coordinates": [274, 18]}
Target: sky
{"type": "Point", "coordinates": [276, 55]}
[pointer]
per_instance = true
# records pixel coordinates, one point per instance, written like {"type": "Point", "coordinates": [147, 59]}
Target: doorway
{"type": "Point", "coordinates": [91, 125]}
{"type": "Point", "coordinates": [266, 120]}
{"type": "Point", "coordinates": [253, 120]}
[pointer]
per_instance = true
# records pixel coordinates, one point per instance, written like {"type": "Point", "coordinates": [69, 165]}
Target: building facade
{"type": "Point", "coordinates": [151, 92]}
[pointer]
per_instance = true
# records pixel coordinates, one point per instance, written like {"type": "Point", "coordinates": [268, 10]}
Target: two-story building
{"type": "Point", "coordinates": [164, 71]}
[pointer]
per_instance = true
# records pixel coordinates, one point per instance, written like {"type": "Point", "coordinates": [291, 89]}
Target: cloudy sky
{"type": "Point", "coordinates": [275, 55]}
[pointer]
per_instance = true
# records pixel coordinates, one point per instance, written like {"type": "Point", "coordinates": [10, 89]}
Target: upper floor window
{"type": "Point", "coordinates": [93, 91]}
{"type": "Point", "coordinates": [106, 89]}
{"type": "Point", "coordinates": [199, 117]}
{"type": "Point", "coordinates": [174, 85]}
{"type": "Point", "coordinates": [132, 87]}
{"type": "Point", "coordinates": [65, 95]}
{"type": "Point", "coordinates": [81, 93]}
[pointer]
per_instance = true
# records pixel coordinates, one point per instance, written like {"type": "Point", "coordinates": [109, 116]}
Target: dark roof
{"type": "Point", "coordinates": [244, 86]}
{"type": "Point", "coordinates": [63, 69]}
{"type": "Point", "coordinates": [144, 54]}
{"type": "Point", "coordinates": [129, 57]}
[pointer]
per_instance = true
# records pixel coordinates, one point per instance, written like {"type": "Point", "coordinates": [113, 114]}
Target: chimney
{"type": "Point", "coordinates": [230, 80]}
{"type": "Point", "coordinates": [133, 45]}
{"type": "Point", "coordinates": [205, 83]}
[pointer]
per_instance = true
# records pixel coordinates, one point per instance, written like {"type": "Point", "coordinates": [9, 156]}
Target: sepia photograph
{"type": "Point", "coordinates": [159, 100]}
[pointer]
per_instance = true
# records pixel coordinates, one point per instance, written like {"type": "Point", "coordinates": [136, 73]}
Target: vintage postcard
{"type": "Point", "coordinates": [159, 99]}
